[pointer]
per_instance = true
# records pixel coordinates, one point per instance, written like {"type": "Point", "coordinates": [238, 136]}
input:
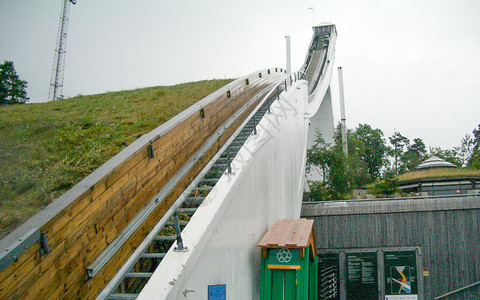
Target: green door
{"type": "Point", "coordinates": [284, 284]}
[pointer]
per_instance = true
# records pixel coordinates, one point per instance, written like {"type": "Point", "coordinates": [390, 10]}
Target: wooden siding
{"type": "Point", "coordinates": [96, 213]}
{"type": "Point", "coordinates": [447, 230]}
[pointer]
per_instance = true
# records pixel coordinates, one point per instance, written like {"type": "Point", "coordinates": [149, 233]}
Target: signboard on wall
{"type": "Point", "coordinates": [362, 275]}
{"type": "Point", "coordinates": [370, 273]}
{"type": "Point", "coordinates": [217, 292]}
{"type": "Point", "coordinates": [282, 258]}
{"type": "Point", "coordinates": [328, 276]}
{"type": "Point", "coordinates": [400, 275]}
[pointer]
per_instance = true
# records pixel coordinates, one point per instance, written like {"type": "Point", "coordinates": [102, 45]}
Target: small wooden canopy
{"type": "Point", "coordinates": [288, 233]}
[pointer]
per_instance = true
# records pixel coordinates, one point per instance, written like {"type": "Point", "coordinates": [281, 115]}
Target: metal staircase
{"type": "Point", "coordinates": [129, 284]}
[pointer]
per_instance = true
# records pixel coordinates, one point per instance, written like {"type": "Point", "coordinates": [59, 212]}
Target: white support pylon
{"type": "Point", "coordinates": [342, 112]}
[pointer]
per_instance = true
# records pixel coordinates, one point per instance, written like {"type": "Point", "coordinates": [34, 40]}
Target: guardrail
{"type": "Point", "coordinates": [112, 285]}
{"type": "Point", "coordinates": [86, 219]}
{"type": "Point", "coordinates": [106, 255]}
{"type": "Point", "coordinates": [457, 290]}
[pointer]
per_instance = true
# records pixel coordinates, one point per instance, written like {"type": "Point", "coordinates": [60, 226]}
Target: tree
{"type": "Point", "coordinates": [333, 165]}
{"type": "Point", "coordinates": [317, 157]}
{"type": "Point", "coordinates": [449, 155]}
{"type": "Point", "coordinates": [357, 168]}
{"type": "Point", "coordinates": [338, 177]}
{"type": "Point", "coordinates": [465, 151]}
{"type": "Point", "coordinates": [12, 89]}
{"type": "Point", "coordinates": [399, 143]}
{"type": "Point", "coordinates": [414, 155]}
{"type": "Point", "coordinates": [374, 148]}
{"type": "Point", "coordinates": [384, 187]}
{"type": "Point", "coordinates": [474, 161]}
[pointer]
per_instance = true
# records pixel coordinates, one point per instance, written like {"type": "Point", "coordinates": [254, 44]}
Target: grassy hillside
{"type": "Point", "coordinates": [46, 148]}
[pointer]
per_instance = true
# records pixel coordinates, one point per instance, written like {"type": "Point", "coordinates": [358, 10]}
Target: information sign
{"type": "Point", "coordinates": [362, 275]}
{"type": "Point", "coordinates": [400, 274]}
{"type": "Point", "coordinates": [217, 292]}
{"type": "Point", "coordinates": [328, 276]}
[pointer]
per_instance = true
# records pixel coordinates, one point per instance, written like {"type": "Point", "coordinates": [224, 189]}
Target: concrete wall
{"type": "Point", "coordinates": [322, 121]}
{"type": "Point", "coordinates": [319, 107]}
{"type": "Point", "coordinates": [223, 234]}
{"type": "Point", "coordinates": [447, 230]}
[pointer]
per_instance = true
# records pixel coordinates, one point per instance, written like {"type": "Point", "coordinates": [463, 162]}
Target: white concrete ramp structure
{"type": "Point", "coordinates": [265, 184]}
{"type": "Point", "coordinates": [318, 67]}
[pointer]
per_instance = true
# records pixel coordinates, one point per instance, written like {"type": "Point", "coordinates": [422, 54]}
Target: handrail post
{"type": "Point", "coordinates": [229, 162]}
{"type": "Point", "coordinates": [180, 247]}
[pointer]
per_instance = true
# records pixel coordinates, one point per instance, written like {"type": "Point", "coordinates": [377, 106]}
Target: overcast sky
{"type": "Point", "coordinates": [410, 65]}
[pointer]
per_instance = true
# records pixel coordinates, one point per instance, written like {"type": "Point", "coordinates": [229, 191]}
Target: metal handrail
{"type": "Point", "coordinates": [112, 285]}
{"type": "Point", "coordinates": [457, 290]}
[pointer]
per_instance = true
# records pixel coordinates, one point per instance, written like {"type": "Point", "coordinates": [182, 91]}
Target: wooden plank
{"type": "Point", "coordinates": [24, 258]}
{"type": "Point", "coordinates": [72, 282]}
{"type": "Point", "coordinates": [88, 211]}
{"type": "Point", "coordinates": [22, 281]}
{"type": "Point", "coordinates": [65, 217]}
{"type": "Point", "coordinates": [128, 164]}
{"type": "Point", "coordinates": [288, 233]}
{"type": "Point", "coordinates": [49, 278]}
{"type": "Point", "coordinates": [16, 271]}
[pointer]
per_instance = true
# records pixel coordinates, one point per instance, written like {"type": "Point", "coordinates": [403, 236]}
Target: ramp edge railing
{"type": "Point", "coordinates": [112, 285]}
{"type": "Point", "coordinates": [105, 256]}
{"type": "Point", "coordinates": [31, 232]}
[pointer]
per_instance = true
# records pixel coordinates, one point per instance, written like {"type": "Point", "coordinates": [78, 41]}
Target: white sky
{"type": "Point", "coordinates": [411, 65]}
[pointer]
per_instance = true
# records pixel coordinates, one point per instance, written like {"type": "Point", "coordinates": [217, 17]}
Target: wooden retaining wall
{"type": "Point", "coordinates": [81, 224]}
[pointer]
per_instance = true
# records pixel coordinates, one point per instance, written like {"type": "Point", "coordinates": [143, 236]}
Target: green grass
{"type": "Point", "coordinates": [438, 173]}
{"type": "Point", "coordinates": [46, 148]}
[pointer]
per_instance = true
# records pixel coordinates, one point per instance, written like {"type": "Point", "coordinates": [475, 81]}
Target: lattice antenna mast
{"type": "Point", "coordinates": [56, 81]}
{"type": "Point", "coordinates": [342, 112]}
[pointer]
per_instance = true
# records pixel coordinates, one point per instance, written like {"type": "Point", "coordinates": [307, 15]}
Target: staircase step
{"type": "Point", "coordinates": [153, 255]}
{"type": "Point", "coordinates": [187, 211]}
{"type": "Point", "coordinates": [206, 181]}
{"type": "Point", "coordinates": [165, 238]}
{"type": "Point", "coordinates": [204, 188]}
{"type": "Point", "coordinates": [122, 296]}
{"type": "Point", "coordinates": [193, 201]}
{"type": "Point", "coordinates": [181, 223]}
{"type": "Point", "coordinates": [139, 275]}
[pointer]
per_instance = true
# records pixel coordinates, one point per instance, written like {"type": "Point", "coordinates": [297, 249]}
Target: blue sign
{"type": "Point", "coordinates": [217, 292]}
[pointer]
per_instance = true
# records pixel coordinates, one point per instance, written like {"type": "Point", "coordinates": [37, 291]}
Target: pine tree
{"type": "Point", "coordinates": [12, 88]}
{"type": "Point", "coordinates": [474, 161]}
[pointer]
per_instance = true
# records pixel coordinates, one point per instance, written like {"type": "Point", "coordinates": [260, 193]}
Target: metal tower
{"type": "Point", "coordinates": [56, 81]}
{"type": "Point", "coordinates": [342, 112]}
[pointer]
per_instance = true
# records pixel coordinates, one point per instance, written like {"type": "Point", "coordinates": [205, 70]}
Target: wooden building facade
{"type": "Point", "coordinates": [407, 248]}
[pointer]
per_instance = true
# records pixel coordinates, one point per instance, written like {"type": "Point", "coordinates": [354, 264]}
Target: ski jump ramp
{"type": "Point", "coordinates": [266, 184]}
{"type": "Point", "coordinates": [183, 207]}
